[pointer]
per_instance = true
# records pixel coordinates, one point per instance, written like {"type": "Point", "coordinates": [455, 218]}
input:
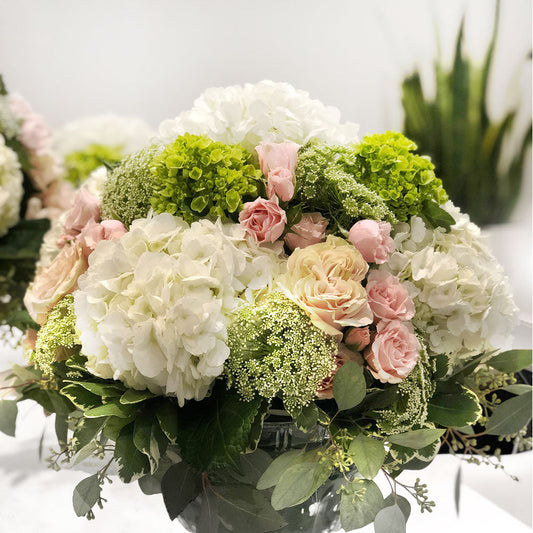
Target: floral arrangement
{"type": "Point", "coordinates": [31, 194]}
{"type": "Point", "coordinates": [259, 313]}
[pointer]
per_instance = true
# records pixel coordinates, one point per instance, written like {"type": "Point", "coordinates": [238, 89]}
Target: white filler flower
{"type": "Point", "coordinates": [266, 111]}
{"type": "Point", "coordinates": [464, 303]}
{"type": "Point", "coordinates": [11, 190]}
{"type": "Point", "coordinates": [152, 308]}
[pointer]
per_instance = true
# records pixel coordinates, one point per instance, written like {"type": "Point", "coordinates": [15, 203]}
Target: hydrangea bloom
{"type": "Point", "coordinates": [152, 306]}
{"type": "Point", "coordinates": [9, 122]}
{"type": "Point", "coordinates": [266, 111]}
{"type": "Point", "coordinates": [10, 187]}
{"type": "Point", "coordinates": [462, 299]}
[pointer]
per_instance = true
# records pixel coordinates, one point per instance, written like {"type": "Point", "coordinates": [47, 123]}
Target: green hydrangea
{"type": "Point", "coordinates": [276, 350]}
{"type": "Point", "coordinates": [386, 164]}
{"type": "Point", "coordinates": [323, 185]}
{"type": "Point", "coordinates": [57, 337]}
{"type": "Point", "coordinates": [78, 165]}
{"type": "Point", "coordinates": [411, 405]}
{"type": "Point", "coordinates": [128, 189]}
{"type": "Point", "coordinates": [195, 177]}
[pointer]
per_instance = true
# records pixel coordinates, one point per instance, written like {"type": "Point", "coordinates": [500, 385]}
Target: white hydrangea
{"type": "Point", "coordinates": [96, 181]}
{"type": "Point", "coordinates": [463, 301]}
{"type": "Point", "coordinates": [152, 307]}
{"type": "Point", "coordinates": [265, 111]}
{"type": "Point", "coordinates": [11, 190]}
{"type": "Point", "coordinates": [9, 122]}
{"type": "Point", "coordinates": [131, 134]}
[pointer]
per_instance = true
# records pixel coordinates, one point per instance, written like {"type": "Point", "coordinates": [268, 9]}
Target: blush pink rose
{"type": "Point", "coordinates": [393, 352]}
{"type": "Point", "coordinates": [94, 232]}
{"type": "Point", "coordinates": [357, 338]}
{"type": "Point", "coordinates": [278, 163]}
{"type": "Point", "coordinates": [388, 298]}
{"type": "Point", "coordinates": [55, 281]}
{"type": "Point", "coordinates": [86, 207]}
{"type": "Point", "coordinates": [264, 220]}
{"type": "Point", "coordinates": [344, 354]}
{"type": "Point", "coordinates": [310, 230]}
{"type": "Point", "coordinates": [372, 238]}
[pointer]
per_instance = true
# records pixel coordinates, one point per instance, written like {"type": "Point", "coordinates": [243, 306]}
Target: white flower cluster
{"type": "Point", "coordinates": [11, 190]}
{"type": "Point", "coordinates": [130, 134]}
{"type": "Point", "coordinates": [9, 122]}
{"type": "Point", "coordinates": [463, 301]}
{"type": "Point", "coordinates": [152, 306]}
{"type": "Point", "coordinates": [266, 111]}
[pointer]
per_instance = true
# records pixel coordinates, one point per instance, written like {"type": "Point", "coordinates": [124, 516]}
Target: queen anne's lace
{"type": "Point", "coordinates": [152, 306]}
{"type": "Point", "coordinates": [11, 190]}
{"type": "Point", "coordinates": [266, 111]}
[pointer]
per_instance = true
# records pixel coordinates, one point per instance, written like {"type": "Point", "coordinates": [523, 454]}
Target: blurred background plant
{"type": "Point", "coordinates": [474, 155]}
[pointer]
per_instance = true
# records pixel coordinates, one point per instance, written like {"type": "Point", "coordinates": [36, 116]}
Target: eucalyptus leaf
{"type": "Point", "coordinates": [453, 405]}
{"type": "Point", "coordinates": [517, 388]}
{"type": "Point", "coordinates": [180, 486]}
{"type": "Point", "coordinates": [149, 484]}
{"type": "Point", "coordinates": [86, 495]}
{"type": "Point", "coordinates": [510, 416]}
{"type": "Point", "coordinates": [253, 466]}
{"type": "Point", "coordinates": [84, 453]}
{"type": "Point", "coordinates": [416, 439]}
{"type": "Point", "coordinates": [511, 361]}
{"type": "Point", "coordinates": [401, 502]}
{"type": "Point", "coordinates": [8, 417]}
{"type": "Point", "coordinates": [278, 466]}
{"type": "Point", "coordinates": [390, 520]}
{"type": "Point", "coordinates": [349, 386]}
{"type": "Point", "coordinates": [358, 512]}
{"type": "Point", "coordinates": [86, 431]}
{"type": "Point", "coordinates": [368, 455]}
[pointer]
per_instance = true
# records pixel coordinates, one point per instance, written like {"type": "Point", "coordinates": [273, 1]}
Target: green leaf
{"type": "Point", "coordinates": [208, 521]}
{"type": "Point", "coordinates": [213, 433]}
{"type": "Point", "coordinates": [511, 361]}
{"type": "Point", "coordinates": [101, 389]}
{"type": "Point", "coordinates": [8, 417]}
{"type": "Point", "coordinates": [86, 495]}
{"type": "Point", "coordinates": [390, 520]}
{"type": "Point", "coordinates": [356, 513]}
{"type": "Point", "coordinates": [149, 484]}
{"type": "Point", "coordinates": [453, 405]}
{"type": "Point", "coordinates": [81, 397]}
{"type": "Point", "coordinates": [180, 486]}
{"type": "Point", "coordinates": [511, 416]}
{"type": "Point", "coordinates": [256, 429]}
{"type": "Point", "coordinates": [437, 216]}
{"type": "Point", "coordinates": [132, 463]}
{"type": "Point", "coordinates": [412, 459]}
{"type": "Point", "coordinates": [136, 396]}
{"type": "Point", "coordinates": [26, 373]}
{"type": "Point", "coordinates": [166, 413]}
{"type": "Point", "coordinates": [517, 388]}
{"type": "Point", "coordinates": [402, 503]}
{"type": "Point", "coordinates": [149, 439]}
{"type": "Point", "coordinates": [86, 431]}
{"type": "Point", "coordinates": [245, 509]}
{"type": "Point", "coordinates": [417, 439]}
{"type": "Point", "coordinates": [306, 418]}
{"type": "Point", "coordinates": [368, 455]}
{"type": "Point", "coordinates": [279, 465]}
{"type": "Point", "coordinates": [298, 483]}
{"type": "Point", "coordinates": [113, 426]}
{"type": "Point", "coordinates": [349, 386]}
{"type": "Point", "coordinates": [23, 241]}
{"type": "Point", "coordinates": [50, 400]}
{"type": "Point", "coordinates": [253, 466]}
{"type": "Point", "coordinates": [113, 408]}
{"type": "Point", "coordinates": [84, 453]}
{"type": "Point", "coordinates": [442, 365]}
{"type": "Point", "coordinates": [61, 428]}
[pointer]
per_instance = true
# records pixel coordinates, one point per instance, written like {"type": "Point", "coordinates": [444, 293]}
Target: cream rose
{"type": "Point", "coordinates": [325, 280]}
{"type": "Point", "coordinates": [55, 281]}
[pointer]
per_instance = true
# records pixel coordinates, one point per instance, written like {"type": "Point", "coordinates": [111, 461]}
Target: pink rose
{"type": "Point", "coordinates": [372, 239]}
{"type": "Point", "coordinates": [86, 207]}
{"type": "Point", "coordinates": [278, 163]}
{"type": "Point", "coordinates": [55, 281]}
{"type": "Point", "coordinates": [388, 298]}
{"type": "Point", "coordinates": [310, 230]}
{"type": "Point", "coordinates": [263, 219]}
{"type": "Point", "coordinates": [394, 351]}
{"type": "Point", "coordinates": [344, 354]}
{"type": "Point", "coordinates": [357, 338]}
{"type": "Point", "coordinates": [95, 232]}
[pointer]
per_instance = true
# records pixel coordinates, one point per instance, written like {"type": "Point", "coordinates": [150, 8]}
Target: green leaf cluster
{"type": "Point", "coordinates": [467, 147]}
{"type": "Point", "coordinates": [195, 177]}
{"type": "Point", "coordinates": [80, 164]}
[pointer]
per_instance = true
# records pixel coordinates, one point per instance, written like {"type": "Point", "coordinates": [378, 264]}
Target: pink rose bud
{"type": "Point", "coordinates": [393, 352]}
{"type": "Point", "coordinates": [372, 239]}
{"type": "Point", "coordinates": [86, 207]}
{"type": "Point", "coordinates": [357, 338]}
{"type": "Point", "coordinates": [310, 230]}
{"type": "Point", "coordinates": [94, 232]}
{"type": "Point", "coordinates": [279, 183]}
{"type": "Point", "coordinates": [264, 220]}
{"type": "Point", "coordinates": [388, 298]}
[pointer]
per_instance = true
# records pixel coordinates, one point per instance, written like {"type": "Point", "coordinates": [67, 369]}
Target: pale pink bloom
{"type": "Point", "coordinates": [357, 338]}
{"type": "Point", "coordinates": [86, 207]}
{"type": "Point", "coordinates": [55, 281]}
{"type": "Point", "coordinates": [30, 338]}
{"type": "Point", "coordinates": [280, 184]}
{"type": "Point", "coordinates": [388, 298]}
{"type": "Point", "coordinates": [393, 352]}
{"type": "Point", "coordinates": [264, 220]}
{"type": "Point", "coordinates": [372, 238]}
{"type": "Point", "coordinates": [44, 171]}
{"type": "Point", "coordinates": [94, 232]}
{"type": "Point", "coordinates": [310, 230]}
{"type": "Point", "coordinates": [59, 195]}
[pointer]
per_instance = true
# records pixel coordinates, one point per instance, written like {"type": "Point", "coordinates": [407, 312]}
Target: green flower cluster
{"type": "Point", "coordinates": [57, 338]}
{"type": "Point", "coordinates": [324, 186]}
{"type": "Point", "coordinates": [385, 163]}
{"type": "Point", "coordinates": [128, 189]}
{"type": "Point", "coordinates": [276, 350]}
{"type": "Point", "coordinates": [78, 165]}
{"type": "Point", "coordinates": [195, 177]}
